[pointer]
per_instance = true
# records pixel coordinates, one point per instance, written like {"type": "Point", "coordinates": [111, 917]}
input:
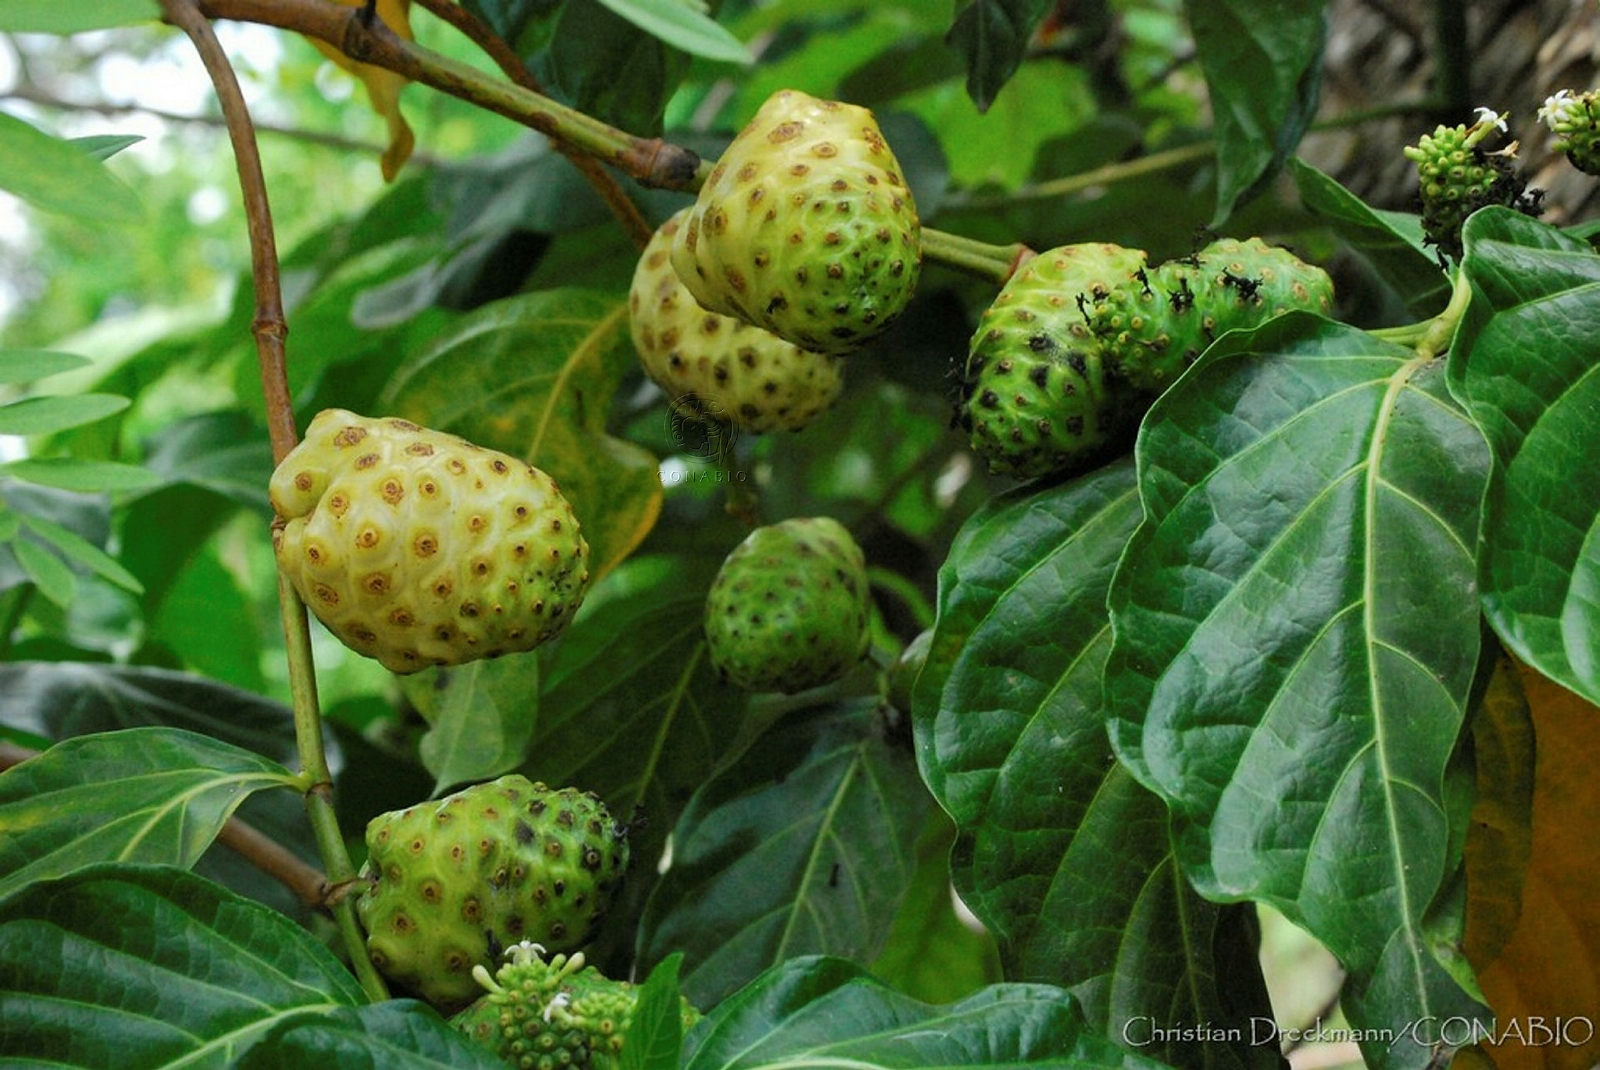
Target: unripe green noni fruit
{"type": "Point", "coordinates": [455, 881]}
{"type": "Point", "coordinates": [719, 367]}
{"type": "Point", "coordinates": [1035, 396]}
{"type": "Point", "coordinates": [788, 609]}
{"type": "Point", "coordinates": [1157, 325]}
{"type": "Point", "coordinates": [805, 227]}
{"type": "Point", "coordinates": [418, 548]}
{"type": "Point", "coordinates": [554, 1015]}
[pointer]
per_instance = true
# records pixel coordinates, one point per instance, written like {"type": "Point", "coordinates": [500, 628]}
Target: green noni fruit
{"type": "Point", "coordinates": [788, 609]}
{"type": "Point", "coordinates": [455, 881]}
{"type": "Point", "coordinates": [805, 227]}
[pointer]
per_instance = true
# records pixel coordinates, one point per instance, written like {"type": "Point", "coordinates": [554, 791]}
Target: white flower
{"type": "Point", "coordinates": [560, 999]}
{"type": "Point", "coordinates": [1489, 115]}
{"type": "Point", "coordinates": [524, 952]}
{"type": "Point", "coordinates": [1560, 109]}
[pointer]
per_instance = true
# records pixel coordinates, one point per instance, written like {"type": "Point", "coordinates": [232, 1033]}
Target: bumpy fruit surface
{"type": "Point", "coordinates": [1157, 325]}
{"type": "Point", "coordinates": [719, 367]}
{"type": "Point", "coordinates": [805, 227]}
{"type": "Point", "coordinates": [553, 1015]}
{"type": "Point", "coordinates": [1457, 176]}
{"type": "Point", "coordinates": [453, 882]}
{"type": "Point", "coordinates": [788, 610]}
{"type": "Point", "coordinates": [418, 548]}
{"type": "Point", "coordinates": [1035, 397]}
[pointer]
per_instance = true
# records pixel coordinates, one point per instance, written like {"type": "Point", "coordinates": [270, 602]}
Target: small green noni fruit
{"type": "Point", "coordinates": [418, 548]}
{"type": "Point", "coordinates": [1159, 323]}
{"type": "Point", "coordinates": [455, 881]}
{"type": "Point", "coordinates": [788, 609]}
{"type": "Point", "coordinates": [805, 227]}
{"type": "Point", "coordinates": [716, 367]}
{"type": "Point", "coordinates": [1457, 176]}
{"type": "Point", "coordinates": [1034, 395]}
{"type": "Point", "coordinates": [555, 1015]}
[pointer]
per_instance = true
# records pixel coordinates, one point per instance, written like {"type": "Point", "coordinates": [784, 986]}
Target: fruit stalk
{"type": "Point", "coordinates": [270, 329]}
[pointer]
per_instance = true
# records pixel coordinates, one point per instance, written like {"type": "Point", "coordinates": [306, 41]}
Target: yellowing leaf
{"type": "Point", "coordinates": [383, 86]}
{"type": "Point", "coordinates": [533, 376]}
{"type": "Point", "coordinates": [1544, 984]}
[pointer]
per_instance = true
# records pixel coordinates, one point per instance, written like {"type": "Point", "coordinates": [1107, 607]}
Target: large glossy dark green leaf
{"type": "Point", "coordinates": [1526, 360]}
{"type": "Point", "coordinates": [1262, 61]}
{"type": "Point", "coordinates": [1296, 630]}
{"type": "Point", "coordinates": [632, 710]}
{"type": "Point", "coordinates": [533, 376]}
{"type": "Point", "coordinates": [803, 846]}
{"type": "Point", "coordinates": [393, 1035]}
{"type": "Point", "coordinates": [142, 967]}
{"type": "Point", "coordinates": [142, 795]}
{"type": "Point", "coordinates": [826, 1012]}
{"type": "Point", "coordinates": [1391, 241]}
{"type": "Point", "coordinates": [604, 65]}
{"type": "Point", "coordinates": [1063, 855]}
{"type": "Point", "coordinates": [59, 700]}
{"type": "Point", "coordinates": [992, 36]}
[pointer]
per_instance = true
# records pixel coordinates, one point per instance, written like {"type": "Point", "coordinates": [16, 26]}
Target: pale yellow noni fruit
{"type": "Point", "coordinates": [418, 548]}
{"type": "Point", "coordinates": [718, 367]}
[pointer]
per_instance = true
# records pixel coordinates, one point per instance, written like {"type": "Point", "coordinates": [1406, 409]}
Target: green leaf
{"type": "Point", "coordinates": [155, 795]}
{"type": "Point", "coordinates": [393, 1035]}
{"type": "Point", "coordinates": [62, 699]}
{"type": "Point", "coordinates": [1061, 854]}
{"type": "Point", "coordinates": [604, 65]}
{"type": "Point", "coordinates": [933, 953]}
{"type": "Point", "coordinates": [105, 146]}
{"type": "Point", "coordinates": [992, 36]}
{"type": "Point", "coordinates": [143, 967]}
{"type": "Point", "coordinates": [1525, 362]}
{"type": "Point", "coordinates": [1391, 241]}
{"type": "Point", "coordinates": [684, 27]}
{"type": "Point", "coordinates": [654, 1040]}
{"type": "Point", "coordinates": [533, 376]}
{"type": "Point", "coordinates": [1296, 631]}
{"type": "Point", "coordinates": [43, 416]}
{"type": "Point", "coordinates": [52, 16]}
{"type": "Point", "coordinates": [1262, 61]}
{"type": "Point", "coordinates": [829, 1012]}
{"type": "Point", "coordinates": [47, 571]}
{"type": "Point", "coordinates": [632, 709]}
{"type": "Point", "coordinates": [26, 365]}
{"type": "Point", "coordinates": [226, 452]}
{"type": "Point", "coordinates": [481, 717]}
{"type": "Point", "coordinates": [56, 176]}
{"type": "Point", "coordinates": [75, 473]}
{"type": "Point", "coordinates": [204, 592]}
{"type": "Point", "coordinates": [76, 548]}
{"type": "Point", "coordinates": [804, 846]}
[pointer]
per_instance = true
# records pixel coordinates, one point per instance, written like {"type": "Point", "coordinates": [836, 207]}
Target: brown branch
{"type": "Point", "coordinates": [269, 326]}
{"type": "Point", "coordinates": [649, 161]}
{"type": "Point", "coordinates": [307, 883]}
{"type": "Point", "coordinates": [602, 181]}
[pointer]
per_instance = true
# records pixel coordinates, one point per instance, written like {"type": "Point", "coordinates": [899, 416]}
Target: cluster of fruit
{"type": "Point", "coordinates": [1082, 337]}
{"type": "Point", "coordinates": [1457, 175]}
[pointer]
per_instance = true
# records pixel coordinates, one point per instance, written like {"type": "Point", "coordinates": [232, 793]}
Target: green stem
{"type": "Point", "coordinates": [319, 796]}
{"type": "Point", "coordinates": [743, 504]}
{"type": "Point", "coordinates": [1107, 175]}
{"type": "Point", "coordinates": [1443, 326]}
{"type": "Point", "coordinates": [270, 328]}
{"type": "Point", "coordinates": [992, 262]}
{"type": "Point", "coordinates": [892, 583]}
